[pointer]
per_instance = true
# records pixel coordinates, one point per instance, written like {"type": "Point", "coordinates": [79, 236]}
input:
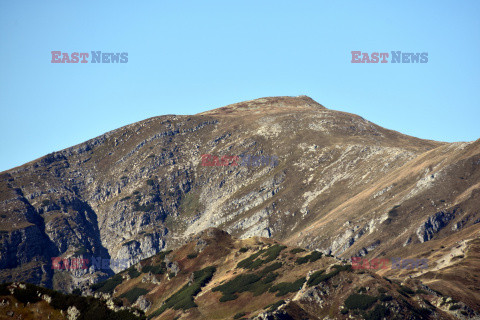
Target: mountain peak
{"type": "Point", "coordinates": [267, 104]}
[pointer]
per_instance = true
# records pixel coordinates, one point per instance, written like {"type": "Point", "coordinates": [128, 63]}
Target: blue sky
{"type": "Point", "coordinates": [186, 57]}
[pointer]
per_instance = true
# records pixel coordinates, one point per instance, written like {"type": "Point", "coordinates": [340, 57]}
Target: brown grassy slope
{"type": "Point", "coordinates": [327, 298]}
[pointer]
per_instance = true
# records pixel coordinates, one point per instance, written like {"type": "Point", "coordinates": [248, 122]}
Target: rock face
{"type": "Point", "coordinates": [342, 185]}
{"type": "Point", "coordinates": [434, 224]}
{"type": "Point", "coordinates": [73, 313]}
{"type": "Point", "coordinates": [142, 303]}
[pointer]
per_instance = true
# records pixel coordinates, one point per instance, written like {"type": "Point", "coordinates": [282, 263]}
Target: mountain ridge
{"type": "Point", "coordinates": [259, 278]}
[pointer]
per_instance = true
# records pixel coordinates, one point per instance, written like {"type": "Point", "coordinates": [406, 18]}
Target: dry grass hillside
{"type": "Point", "coordinates": [215, 276]}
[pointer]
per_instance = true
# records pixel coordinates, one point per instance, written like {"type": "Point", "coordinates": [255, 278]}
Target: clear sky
{"type": "Point", "coordinates": [186, 57]}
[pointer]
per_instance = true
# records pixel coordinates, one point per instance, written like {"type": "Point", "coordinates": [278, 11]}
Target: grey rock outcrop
{"type": "Point", "coordinates": [434, 224]}
{"type": "Point", "coordinates": [142, 303]}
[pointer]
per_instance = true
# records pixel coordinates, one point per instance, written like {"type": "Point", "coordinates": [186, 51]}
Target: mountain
{"type": "Point", "coordinates": [328, 180]}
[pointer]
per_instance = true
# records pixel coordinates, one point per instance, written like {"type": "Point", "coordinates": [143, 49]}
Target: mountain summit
{"type": "Point", "coordinates": [267, 105]}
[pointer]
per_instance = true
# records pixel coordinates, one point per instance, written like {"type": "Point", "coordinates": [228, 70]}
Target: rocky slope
{"type": "Point", "coordinates": [220, 277]}
{"type": "Point", "coordinates": [341, 184]}
{"type": "Point", "coordinates": [215, 276]}
{"type": "Point", "coordinates": [26, 301]}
